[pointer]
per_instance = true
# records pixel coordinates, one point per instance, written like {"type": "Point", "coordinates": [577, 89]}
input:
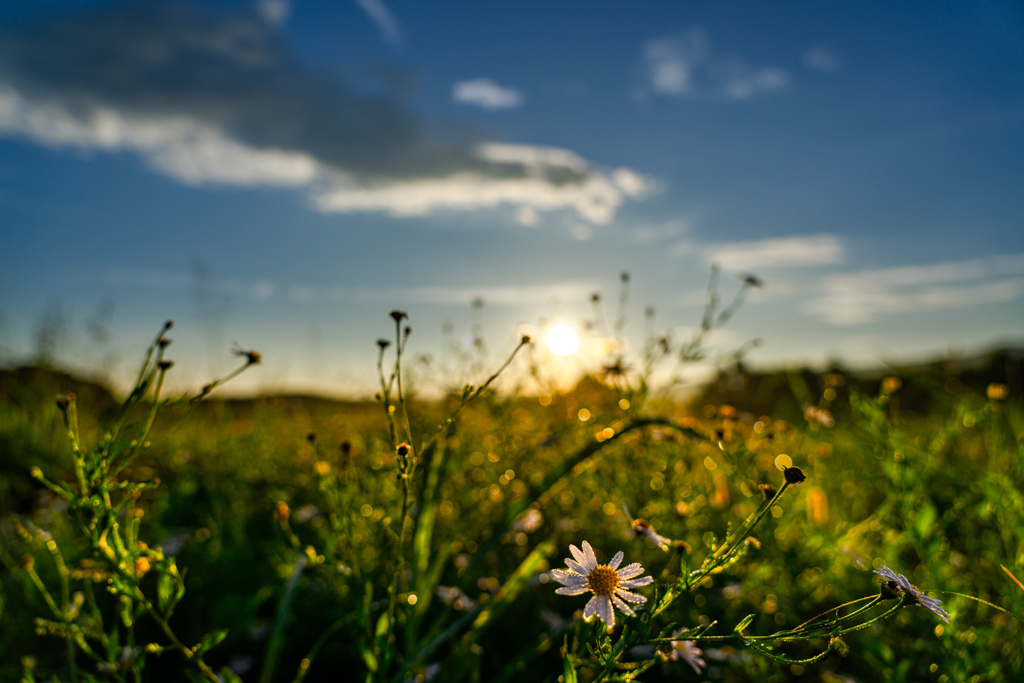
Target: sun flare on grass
{"type": "Point", "coordinates": [562, 340]}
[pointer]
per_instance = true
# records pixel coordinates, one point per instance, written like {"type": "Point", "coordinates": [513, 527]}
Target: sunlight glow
{"type": "Point", "coordinates": [562, 340]}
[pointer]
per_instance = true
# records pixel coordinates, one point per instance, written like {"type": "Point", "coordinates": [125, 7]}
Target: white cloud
{"type": "Point", "coordinates": [863, 296]}
{"type": "Point", "coordinates": [274, 12]}
{"type": "Point", "coordinates": [268, 121]}
{"type": "Point", "coordinates": [486, 94]}
{"type": "Point", "coordinates": [381, 16]}
{"type": "Point", "coordinates": [777, 252]}
{"type": "Point", "coordinates": [822, 59]}
{"type": "Point", "coordinates": [683, 65]}
{"type": "Point", "coordinates": [671, 61]}
{"type": "Point", "coordinates": [596, 197]}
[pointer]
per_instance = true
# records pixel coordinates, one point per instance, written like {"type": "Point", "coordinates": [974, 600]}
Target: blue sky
{"type": "Point", "coordinates": [281, 174]}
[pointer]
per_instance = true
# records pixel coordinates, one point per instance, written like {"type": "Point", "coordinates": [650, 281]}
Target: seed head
{"type": "Point", "coordinates": [794, 475]}
{"type": "Point", "coordinates": [165, 365]}
{"type": "Point", "coordinates": [163, 342]}
{"type": "Point", "coordinates": [399, 316]}
{"type": "Point", "coordinates": [768, 490]}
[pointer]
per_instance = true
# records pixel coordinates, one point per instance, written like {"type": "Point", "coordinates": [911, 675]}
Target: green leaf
{"type": "Point", "coordinates": [743, 624]}
{"type": "Point", "coordinates": [212, 639]}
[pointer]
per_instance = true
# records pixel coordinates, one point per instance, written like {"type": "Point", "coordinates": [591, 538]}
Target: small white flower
{"type": "Point", "coordinates": [607, 582]}
{"type": "Point", "coordinates": [687, 651]}
{"type": "Point", "coordinates": [899, 584]}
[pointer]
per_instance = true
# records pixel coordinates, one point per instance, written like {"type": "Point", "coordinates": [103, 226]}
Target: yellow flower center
{"type": "Point", "coordinates": [603, 580]}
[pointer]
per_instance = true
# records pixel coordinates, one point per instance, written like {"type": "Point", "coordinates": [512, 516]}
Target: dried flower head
{"type": "Point", "coordinates": [768, 490]}
{"type": "Point", "coordinates": [64, 400]}
{"type": "Point", "coordinates": [643, 528]}
{"type": "Point", "coordinates": [901, 587]}
{"type": "Point", "coordinates": [165, 365]}
{"type": "Point", "coordinates": [399, 316]}
{"type": "Point", "coordinates": [794, 475]}
{"type": "Point", "coordinates": [402, 449]}
{"type": "Point", "coordinates": [163, 342]}
{"type": "Point", "coordinates": [251, 357]}
{"type": "Point", "coordinates": [383, 344]}
{"type": "Point", "coordinates": [526, 339]}
{"type": "Point", "coordinates": [607, 582]}
{"type": "Point", "coordinates": [751, 280]}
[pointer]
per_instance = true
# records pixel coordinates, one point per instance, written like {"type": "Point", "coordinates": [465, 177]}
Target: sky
{"type": "Point", "coordinates": [281, 174]}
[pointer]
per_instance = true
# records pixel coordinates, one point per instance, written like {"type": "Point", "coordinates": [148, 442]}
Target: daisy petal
{"type": "Point", "coordinates": [631, 570]}
{"type": "Point", "coordinates": [617, 560]}
{"type": "Point", "coordinates": [636, 583]}
{"type": "Point", "coordinates": [566, 578]}
{"type": "Point", "coordinates": [578, 554]}
{"type": "Point", "coordinates": [591, 558]}
{"type": "Point", "coordinates": [577, 589]}
{"type": "Point", "coordinates": [591, 609]}
{"type": "Point", "coordinates": [623, 607]}
{"type": "Point", "coordinates": [605, 611]}
{"type": "Point", "coordinates": [576, 567]}
{"type": "Point", "coordinates": [632, 597]}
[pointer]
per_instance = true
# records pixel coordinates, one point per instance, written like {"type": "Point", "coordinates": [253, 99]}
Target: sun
{"type": "Point", "coordinates": [562, 340]}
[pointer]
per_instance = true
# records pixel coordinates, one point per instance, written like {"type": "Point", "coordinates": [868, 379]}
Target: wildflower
{"type": "Point", "coordinates": [383, 344]}
{"type": "Point", "coordinates": [643, 528]}
{"type": "Point", "coordinates": [526, 339]}
{"type": "Point", "coordinates": [899, 585]}
{"type": "Point", "coordinates": [402, 449]}
{"type": "Point", "coordinates": [607, 582]}
{"type": "Point", "coordinates": [687, 651]}
{"type": "Point", "coordinates": [165, 365]}
{"type": "Point", "coordinates": [163, 342]}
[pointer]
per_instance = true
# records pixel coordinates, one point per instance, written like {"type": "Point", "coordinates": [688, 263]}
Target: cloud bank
{"type": "Point", "coordinates": [216, 98]}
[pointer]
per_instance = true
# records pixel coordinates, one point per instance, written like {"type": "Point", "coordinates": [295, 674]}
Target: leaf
{"type": "Point", "coordinates": [212, 639]}
{"type": "Point", "coordinates": [743, 624]}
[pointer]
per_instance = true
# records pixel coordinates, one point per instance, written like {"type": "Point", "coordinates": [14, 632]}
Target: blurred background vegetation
{"type": "Point", "coordinates": [918, 468]}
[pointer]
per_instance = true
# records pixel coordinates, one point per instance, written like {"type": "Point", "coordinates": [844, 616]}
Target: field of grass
{"type": "Point", "coordinates": [292, 538]}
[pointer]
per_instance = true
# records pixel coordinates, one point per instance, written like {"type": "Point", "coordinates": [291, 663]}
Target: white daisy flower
{"type": "Point", "coordinates": [899, 584]}
{"type": "Point", "coordinates": [687, 651]}
{"type": "Point", "coordinates": [607, 582]}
